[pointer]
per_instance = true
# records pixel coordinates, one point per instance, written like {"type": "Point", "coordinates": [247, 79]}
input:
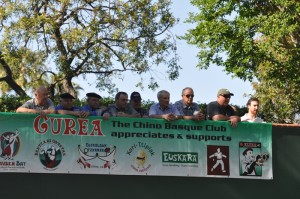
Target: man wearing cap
{"type": "Point", "coordinates": [66, 106]}
{"type": "Point", "coordinates": [163, 109]}
{"type": "Point", "coordinates": [121, 107]}
{"type": "Point", "coordinates": [135, 102]}
{"type": "Point", "coordinates": [41, 104]}
{"type": "Point", "coordinates": [186, 107]}
{"type": "Point", "coordinates": [221, 110]}
{"type": "Point", "coordinates": [93, 104]}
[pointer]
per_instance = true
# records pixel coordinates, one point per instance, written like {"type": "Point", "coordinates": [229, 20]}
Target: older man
{"type": "Point", "coordinates": [66, 106]}
{"type": "Point", "coordinates": [40, 104]}
{"type": "Point", "coordinates": [251, 116]}
{"type": "Point", "coordinates": [163, 109]}
{"type": "Point", "coordinates": [186, 106]}
{"type": "Point", "coordinates": [221, 110]}
{"type": "Point", "coordinates": [93, 104]}
{"type": "Point", "coordinates": [121, 107]}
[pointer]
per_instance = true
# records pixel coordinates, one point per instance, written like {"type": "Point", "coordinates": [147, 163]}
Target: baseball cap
{"type": "Point", "coordinates": [224, 91]}
{"type": "Point", "coordinates": [135, 96]}
{"type": "Point", "coordinates": [66, 96]}
{"type": "Point", "coordinates": [93, 95]}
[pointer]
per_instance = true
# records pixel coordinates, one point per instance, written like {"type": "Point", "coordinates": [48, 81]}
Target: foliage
{"type": "Point", "coordinates": [257, 40]}
{"type": "Point", "coordinates": [10, 103]}
{"type": "Point", "coordinates": [52, 42]}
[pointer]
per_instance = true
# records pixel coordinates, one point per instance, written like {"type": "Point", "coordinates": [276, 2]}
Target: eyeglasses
{"type": "Point", "coordinates": [188, 96]}
{"type": "Point", "coordinates": [226, 96]}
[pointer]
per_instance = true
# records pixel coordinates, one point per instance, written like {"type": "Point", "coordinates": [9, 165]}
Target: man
{"type": "Point", "coordinates": [163, 109]}
{"type": "Point", "coordinates": [250, 163]}
{"type": "Point", "coordinates": [136, 102]}
{"type": "Point", "coordinates": [221, 110]}
{"type": "Point", "coordinates": [66, 107]}
{"type": "Point", "coordinates": [219, 156]}
{"type": "Point", "coordinates": [121, 107]}
{"type": "Point", "coordinates": [186, 107]}
{"type": "Point", "coordinates": [93, 104]}
{"type": "Point", "coordinates": [41, 104]}
{"type": "Point", "coordinates": [251, 116]}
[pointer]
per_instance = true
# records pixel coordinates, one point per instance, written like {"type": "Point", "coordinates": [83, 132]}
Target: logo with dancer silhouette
{"type": "Point", "coordinates": [10, 144]}
{"type": "Point", "coordinates": [50, 153]}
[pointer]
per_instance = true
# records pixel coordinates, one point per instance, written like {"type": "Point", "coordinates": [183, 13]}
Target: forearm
{"type": "Point", "coordinates": [26, 110]}
{"type": "Point", "coordinates": [220, 117]}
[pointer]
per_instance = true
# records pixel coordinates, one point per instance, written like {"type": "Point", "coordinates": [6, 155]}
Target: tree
{"type": "Point", "coordinates": [256, 40]}
{"type": "Point", "coordinates": [80, 37]}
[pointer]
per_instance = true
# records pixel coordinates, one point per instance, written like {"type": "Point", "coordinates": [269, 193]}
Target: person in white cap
{"type": "Point", "coordinates": [221, 110]}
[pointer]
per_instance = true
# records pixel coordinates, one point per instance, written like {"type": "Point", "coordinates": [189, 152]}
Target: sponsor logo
{"type": "Point", "coordinates": [140, 153]}
{"type": "Point", "coordinates": [93, 155]}
{"type": "Point", "coordinates": [50, 153]}
{"type": "Point", "coordinates": [180, 157]}
{"type": "Point", "coordinates": [10, 145]}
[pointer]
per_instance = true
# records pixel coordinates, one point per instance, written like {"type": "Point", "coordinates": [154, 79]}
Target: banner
{"type": "Point", "coordinates": [134, 146]}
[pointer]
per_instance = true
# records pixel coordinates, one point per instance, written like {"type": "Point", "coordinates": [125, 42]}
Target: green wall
{"type": "Point", "coordinates": [286, 183]}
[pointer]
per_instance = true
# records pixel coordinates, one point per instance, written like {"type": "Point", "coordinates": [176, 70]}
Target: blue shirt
{"type": "Point", "coordinates": [74, 108]}
{"type": "Point", "coordinates": [186, 110]}
{"type": "Point", "coordinates": [155, 109]}
{"type": "Point", "coordinates": [93, 112]}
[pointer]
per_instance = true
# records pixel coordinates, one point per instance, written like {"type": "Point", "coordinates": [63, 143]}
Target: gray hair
{"type": "Point", "coordinates": [160, 93]}
{"type": "Point", "coordinates": [186, 88]}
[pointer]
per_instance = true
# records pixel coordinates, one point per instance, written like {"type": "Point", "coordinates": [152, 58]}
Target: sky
{"type": "Point", "coordinates": [205, 83]}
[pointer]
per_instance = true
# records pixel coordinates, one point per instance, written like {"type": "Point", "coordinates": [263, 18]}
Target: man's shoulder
{"type": "Point", "coordinates": [213, 103]}
{"type": "Point", "coordinates": [111, 106]}
{"type": "Point", "coordinates": [30, 101]}
{"type": "Point", "coordinates": [178, 103]}
{"type": "Point", "coordinates": [155, 105]}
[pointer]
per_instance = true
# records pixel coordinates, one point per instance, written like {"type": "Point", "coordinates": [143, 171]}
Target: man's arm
{"type": "Point", "coordinates": [27, 110]}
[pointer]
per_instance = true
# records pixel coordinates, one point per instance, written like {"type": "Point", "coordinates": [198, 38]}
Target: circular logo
{"type": "Point", "coordinates": [50, 155]}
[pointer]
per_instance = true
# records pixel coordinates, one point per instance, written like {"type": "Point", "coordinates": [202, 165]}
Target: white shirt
{"type": "Point", "coordinates": [246, 118]}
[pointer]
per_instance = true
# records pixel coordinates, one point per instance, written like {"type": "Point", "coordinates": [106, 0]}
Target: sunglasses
{"type": "Point", "coordinates": [188, 96]}
{"type": "Point", "coordinates": [226, 96]}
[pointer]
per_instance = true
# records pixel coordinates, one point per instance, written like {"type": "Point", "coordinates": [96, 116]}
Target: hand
{"type": "Point", "coordinates": [199, 116]}
{"type": "Point", "coordinates": [106, 116]}
{"type": "Point", "coordinates": [83, 114]}
{"type": "Point", "coordinates": [234, 121]}
{"type": "Point", "coordinates": [42, 114]}
{"type": "Point", "coordinates": [169, 117]}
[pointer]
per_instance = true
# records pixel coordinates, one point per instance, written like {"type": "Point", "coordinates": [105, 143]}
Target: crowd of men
{"type": "Point", "coordinates": [184, 108]}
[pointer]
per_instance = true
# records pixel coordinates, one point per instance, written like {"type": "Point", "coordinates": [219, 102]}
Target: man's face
{"type": "Point", "coordinates": [249, 155]}
{"type": "Point", "coordinates": [187, 97]}
{"type": "Point", "coordinates": [93, 102]}
{"type": "Point", "coordinates": [253, 107]}
{"type": "Point", "coordinates": [136, 103]}
{"type": "Point", "coordinates": [164, 100]}
{"type": "Point", "coordinates": [67, 103]}
{"type": "Point", "coordinates": [224, 100]}
{"type": "Point", "coordinates": [122, 101]}
{"type": "Point", "coordinates": [41, 96]}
